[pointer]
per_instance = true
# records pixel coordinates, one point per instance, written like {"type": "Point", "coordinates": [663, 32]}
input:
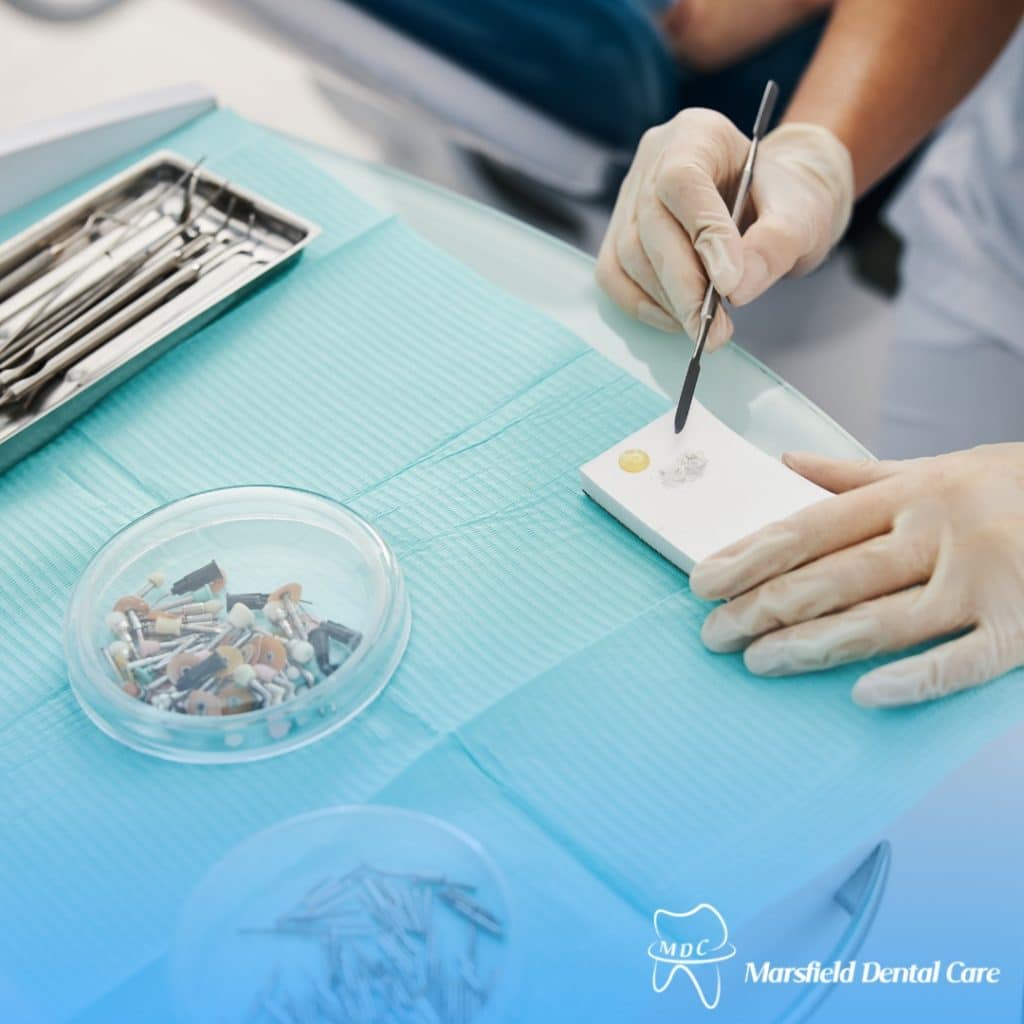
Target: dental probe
{"type": "Point", "coordinates": [710, 304]}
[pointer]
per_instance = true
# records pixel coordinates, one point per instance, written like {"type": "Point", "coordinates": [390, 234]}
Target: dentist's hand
{"type": "Point", "coordinates": [671, 228]}
{"type": "Point", "coordinates": [908, 552]}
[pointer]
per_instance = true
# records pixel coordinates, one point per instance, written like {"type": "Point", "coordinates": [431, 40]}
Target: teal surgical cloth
{"type": "Point", "coordinates": [555, 700]}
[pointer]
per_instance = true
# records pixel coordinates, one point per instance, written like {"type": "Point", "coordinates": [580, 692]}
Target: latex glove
{"type": "Point", "coordinates": [909, 552]}
{"type": "Point", "coordinates": [671, 229]}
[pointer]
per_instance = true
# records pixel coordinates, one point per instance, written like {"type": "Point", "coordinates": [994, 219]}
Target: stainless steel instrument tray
{"type": "Point", "coordinates": [240, 219]}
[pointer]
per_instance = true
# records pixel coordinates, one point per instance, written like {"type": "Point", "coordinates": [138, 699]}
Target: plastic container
{"type": "Point", "coordinates": [286, 920]}
{"type": "Point", "coordinates": [262, 538]}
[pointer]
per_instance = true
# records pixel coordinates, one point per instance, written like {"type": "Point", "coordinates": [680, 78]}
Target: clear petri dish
{"type": "Point", "coordinates": [368, 913]}
{"type": "Point", "coordinates": [260, 540]}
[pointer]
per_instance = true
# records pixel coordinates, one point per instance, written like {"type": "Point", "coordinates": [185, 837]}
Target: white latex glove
{"type": "Point", "coordinates": [671, 228]}
{"type": "Point", "coordinates": [908, 552]}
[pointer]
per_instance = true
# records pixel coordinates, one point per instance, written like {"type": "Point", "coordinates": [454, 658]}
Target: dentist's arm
{"type": "Point", "coordinates": [884, 75]}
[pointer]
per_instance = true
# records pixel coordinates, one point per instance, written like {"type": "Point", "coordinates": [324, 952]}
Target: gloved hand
{"type": "Point", "coordinates": [908, 552]}
{"type": "Point", "coordinates": [671, 227]}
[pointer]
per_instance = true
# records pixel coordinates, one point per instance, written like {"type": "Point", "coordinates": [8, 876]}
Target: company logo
{"type": "Point", "coordinates": [694, 942]}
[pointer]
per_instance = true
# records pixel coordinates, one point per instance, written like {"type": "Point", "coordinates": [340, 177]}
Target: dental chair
{"type": "Point", "coordinates": [543, 100]}
{"type": "Point", "coordinates": [555, 93]}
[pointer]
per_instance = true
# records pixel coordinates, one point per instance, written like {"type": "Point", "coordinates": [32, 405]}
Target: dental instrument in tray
{"type": "Point", "coordinates": [711, 298]}
{"type": "Point", "coordinates": [100, 288]}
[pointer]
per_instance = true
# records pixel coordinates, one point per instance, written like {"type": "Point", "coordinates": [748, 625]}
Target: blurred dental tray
{"type": "Point", "coordinates": [99, 289]}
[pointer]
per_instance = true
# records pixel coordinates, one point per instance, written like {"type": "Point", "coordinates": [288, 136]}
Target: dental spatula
{"type": "Point", "coordinates": [710, 304]}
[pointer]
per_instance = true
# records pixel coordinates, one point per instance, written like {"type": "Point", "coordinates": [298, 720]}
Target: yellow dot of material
{"type": "Point", "coordinates": [634, 460]}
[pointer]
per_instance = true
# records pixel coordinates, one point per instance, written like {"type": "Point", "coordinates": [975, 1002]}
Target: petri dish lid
{"type": "Point", "coordinates": [261, 538]}
{"type": "Point", "coordinates": [346, 913]}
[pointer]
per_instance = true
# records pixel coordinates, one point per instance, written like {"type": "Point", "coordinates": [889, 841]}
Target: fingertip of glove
{"type": "Point", "coordinates": [797, 461]}
{"type": "Point", "coordinates": [721, 331]}
{"type": "Point", "coordinates": [655, 316]}
{"type": "Point", "coordinates": [755, 279]}
{"type": "Point", "coordinates": [719, 634]}
{"type": "Point", "coordinates": [699, 583]}
{"type": "Point", "coordinates": [880, 690]}
{"type": "Point", "coordinates": [766, 657]}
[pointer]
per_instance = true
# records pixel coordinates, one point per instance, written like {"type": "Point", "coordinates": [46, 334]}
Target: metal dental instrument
{"type": "Point", "coordinates": [79, 312]}
{"type": "Point", "coordinates": [31, 269]}
{"type": "Point", "coordinates": [96, 291]}
{"type": "Point", "coordinates": [137, 298]}
{"type": "Point", "coordinates": [24, 388]}
{"type": "Point", "coordinates": [45, 290]}
{"type": "Point", "coordinates": [135, 287]}
{"type": "Point", "coordinates": [711, 299]}
{"type": "Point", "coordinates": [20, 270]}
{"type": "Point", "coordinates": [46, 319]}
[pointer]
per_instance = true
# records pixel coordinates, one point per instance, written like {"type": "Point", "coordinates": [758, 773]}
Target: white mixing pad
{"type": "Point", "coordinates": [691, 494]}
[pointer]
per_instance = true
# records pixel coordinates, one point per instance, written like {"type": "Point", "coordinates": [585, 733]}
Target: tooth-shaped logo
{"type": "Point", "coordinates": [694, 942]}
